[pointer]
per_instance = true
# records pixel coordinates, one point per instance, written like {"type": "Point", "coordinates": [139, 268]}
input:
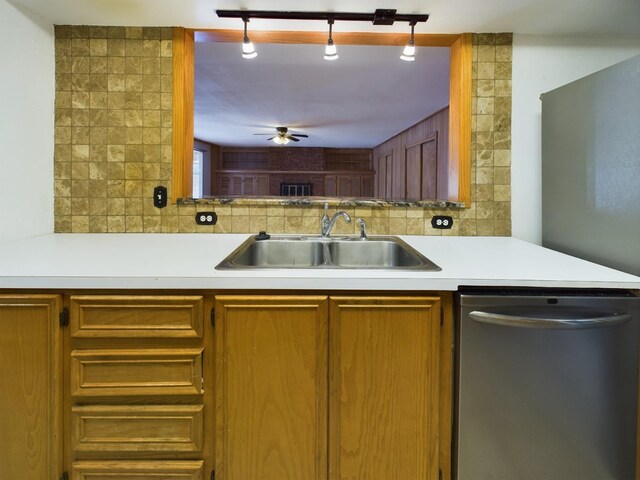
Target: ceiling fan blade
{"type": "Point", "coordinates": [299, 135]}
{"type": "Point", "coordinates": [272, 138]}
{"type": "Point", "coordinates": [293, 139]}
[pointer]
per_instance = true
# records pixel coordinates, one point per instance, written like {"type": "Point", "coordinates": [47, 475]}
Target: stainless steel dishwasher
{"type": "Point", "coordinates": [547, 385]}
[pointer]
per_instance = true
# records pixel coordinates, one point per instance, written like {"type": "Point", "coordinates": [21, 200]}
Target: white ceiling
{"type": "Point", "coordinates": [320, 98]}
{"type": "Point", "coordinates": [358, 101]}
{"type": "Point", "coordinates": [564, 17]}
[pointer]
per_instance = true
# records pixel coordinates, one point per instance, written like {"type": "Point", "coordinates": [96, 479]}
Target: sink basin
{"type": "Point", "coordinates": [283, 251]}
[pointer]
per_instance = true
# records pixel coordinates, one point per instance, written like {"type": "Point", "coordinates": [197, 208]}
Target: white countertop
{"type": "Point", "coordinates": [187, 261]}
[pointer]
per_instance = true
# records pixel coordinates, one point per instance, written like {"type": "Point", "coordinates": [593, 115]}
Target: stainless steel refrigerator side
{"type": "Point", "coordinates": [590, 166]}
{"type": "Point", "coordinates": [552, 404]}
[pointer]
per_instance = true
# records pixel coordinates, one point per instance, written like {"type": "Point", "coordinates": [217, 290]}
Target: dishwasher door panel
{"type": "Point", "coordinates": [546, 404]}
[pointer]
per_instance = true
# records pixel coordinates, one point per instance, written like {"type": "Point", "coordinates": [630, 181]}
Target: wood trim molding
{"type": "Point", "coordinates": [345, 38]}
{"type": "Point", "coordinates": [460, 94]}
{"type": "Point", "coordinates": [183, 93]}
{"type": "Point", "coordinates": [460, 120]}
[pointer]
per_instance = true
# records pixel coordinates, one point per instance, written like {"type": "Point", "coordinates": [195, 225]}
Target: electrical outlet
{"type": "Point", "coordinates": [160, 196]}
{"type": "Point", "coordinates": [442, 222]}
{"type": "Point", "coordinates": [206, 218]}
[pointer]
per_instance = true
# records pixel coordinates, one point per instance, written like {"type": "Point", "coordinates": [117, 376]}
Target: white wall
{"type": "Point", "coordinates": [27, 92]}
{"type": "Point", "coordinates": [541, 64]}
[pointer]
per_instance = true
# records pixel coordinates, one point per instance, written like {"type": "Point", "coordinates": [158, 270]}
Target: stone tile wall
{"type": "Point", "coordinates": [113, 145]}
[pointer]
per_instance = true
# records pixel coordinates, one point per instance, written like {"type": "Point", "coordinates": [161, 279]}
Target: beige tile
{"type": "Point", "coordinates": [484, 175]}
{"type": "Point", "coordinates": [485, 227]}
{"type": "Point", "coordinates": [486, 70]}
{"type": "Point", "coordinates": [62, 224]}
{"type": "Point", "coordinates": [293, 224]}
{"type": "Point", "coordinates": [502, 193]}
{"type": "Point", "coordinates": [486, 88]}
{"type": "Point", "coordinates": [115, 188]}
{"type": "Point", "coordinates": [151, 66]}
{"type": "Point", "coordinates": [486, 53]}
{"type": "Point", "coordinates": [502, 176]}
{"type": "Point", "coordinates": [134, 224]}
{"type": "Point", "coordinates": [79, 206]}
{"type": "Point", "coordinates": [98, 224]}
{"type": "Point", "coordinates": [133, 32]}
{"type": "Point", "coordinates": [79, 223]}
{"type": "Point", "coordinates": [115, 206]}
{"type": "Point", "coordinates": [99, 65]}
{"type": "Point", "coordinates": [154, 224]}
{"type": "Point", "coordinates": [503, 228]}
{"type": "Point", "coordinates": [502, 158]}
{"type": "Point", "coordinates": [80, 171]}
{"type": "Point", "coordinates": [133, 188]}
{"type": "Point", "coordinates": [485, 123]}
{"type": "Point", "coordinates": [485, 210]}
{"type": "Point", "coordinates": [468, 227]}
{"type": "Point", "coordinates": [275, 224]}
{"type": "Point", "coordinates": [116, 224]}
{"type": "Point", "coordinates": [502, 210]}
{"type": "Point", "coordinates": [484, 158]}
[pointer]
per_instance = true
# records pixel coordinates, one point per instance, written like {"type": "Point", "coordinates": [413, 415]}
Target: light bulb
{"type": "Point", "coordinates": [280, 140]}
{"type": "Point", "coordinates": [247, 47]}
{"type": "Point", "coordinates": [408, 54]}
{"type": "Point", "coordinates": [248, 51]}
{"type": "Point", "coordinates": [330, 51]}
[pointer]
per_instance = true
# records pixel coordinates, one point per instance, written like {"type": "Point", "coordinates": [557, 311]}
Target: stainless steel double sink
{"type": "Point", "coordinates": [284, 251]}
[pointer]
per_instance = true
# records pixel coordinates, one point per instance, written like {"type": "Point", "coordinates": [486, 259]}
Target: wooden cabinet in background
{"type": "Point", "coordinates": [356, 184]}
{"type": "Point", "coordinates": [241, 183]}
{"type": "Point", "coordinates": [422, 169]}
{"type": "Point", "coordinates": [31, 376]}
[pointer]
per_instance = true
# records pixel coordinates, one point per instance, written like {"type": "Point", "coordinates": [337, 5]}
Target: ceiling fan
{"type": "Point", "coordinates": [282, 137]}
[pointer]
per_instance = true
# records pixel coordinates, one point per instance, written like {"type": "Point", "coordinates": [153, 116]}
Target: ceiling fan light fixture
{"type": "Point", "coordinates": [330, 50]}
{"type": "Point", "coordinates": [248, 50]}
{"type": "Point", "coordinates": [280, 140]}
{"type": "Point", "coordinates": [409, 52]}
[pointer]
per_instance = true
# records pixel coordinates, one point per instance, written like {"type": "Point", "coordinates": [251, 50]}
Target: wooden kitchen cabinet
{"type": "Point", "coordinates": [359, 384]}
{"type": "Point", "coordinates": [137, 404]}
{"type": "Point", "coordinates": [384, 372]}
{"type": "Point", "coordinates": [31, 376]}
{"type": "Point", "coordinates": [271, 387]}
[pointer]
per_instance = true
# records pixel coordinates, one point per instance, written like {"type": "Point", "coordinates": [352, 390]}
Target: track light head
{"type": "Point", "coordinates": [248, 50]}
{"type": "Point", "coordinates": [409, 52]}
{"type": "Point", "coordinates": [330, 50]}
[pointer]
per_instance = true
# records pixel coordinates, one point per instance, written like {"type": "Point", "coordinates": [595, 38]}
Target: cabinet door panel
{"type": "Point", "coordinates": [136, 372]}
{"type": "Point", "coordinates": [137, 470]}
{"type": "Point", "coordinates": [146, 429]}
{"type": "Point", "coordinates": [384, 382]}
{"type": "Point", "coordinates": [30, 376]}
{"type": "Point", "coordinates": [271, 388]}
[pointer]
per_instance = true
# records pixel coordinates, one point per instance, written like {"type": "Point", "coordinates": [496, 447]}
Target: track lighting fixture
{"type": "Point", "coordinates": [330, 50]}
{"type": "Point", "coordinates": [409, 52]}
{"type": "Point", "coordinates": [380, 17]}
{"type": "Point", "coordinates": [248, 51]}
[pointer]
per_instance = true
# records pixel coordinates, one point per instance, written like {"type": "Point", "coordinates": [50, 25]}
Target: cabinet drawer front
{"type": "Point", "coordinates": [136, 372]}
{"type": "Point", "coordinates": [137, 470]}
{"type": "Point", "coordinates": [117, 316]}
{"type": "Point", "coordinates": [137, 429]}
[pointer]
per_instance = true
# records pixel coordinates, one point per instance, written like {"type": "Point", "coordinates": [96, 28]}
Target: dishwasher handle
{"type": "Point", "coordinates": [524, 321]}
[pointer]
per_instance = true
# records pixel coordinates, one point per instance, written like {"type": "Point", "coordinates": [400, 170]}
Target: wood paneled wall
{"type": "Point", "coordinates": [390, 162]}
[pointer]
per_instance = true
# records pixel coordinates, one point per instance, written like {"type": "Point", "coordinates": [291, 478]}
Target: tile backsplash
{"type": "Point", "coordinates": [113, 145]}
